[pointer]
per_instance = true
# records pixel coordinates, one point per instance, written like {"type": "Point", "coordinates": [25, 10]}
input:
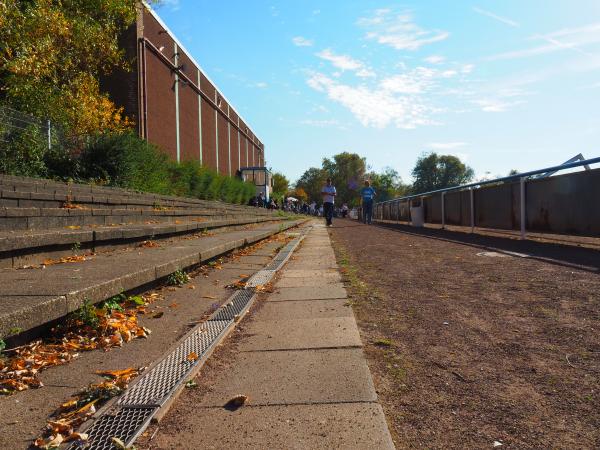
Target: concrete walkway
{"type": "Point", "coordinates": [300, 362]}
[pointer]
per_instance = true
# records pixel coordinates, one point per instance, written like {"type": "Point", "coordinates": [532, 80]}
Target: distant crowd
{"type": "Point", "coordinates": [327, 209]}
{"type": "Point", "coordinates": [293, 205]}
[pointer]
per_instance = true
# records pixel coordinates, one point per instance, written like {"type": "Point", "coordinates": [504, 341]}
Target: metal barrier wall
{"type": "Point", "coordinates": [563, 204]}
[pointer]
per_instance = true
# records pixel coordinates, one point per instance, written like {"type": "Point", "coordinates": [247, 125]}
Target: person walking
{"type": "Point", "coordinates": [367, 194]}
{"type": "Point", "coordinates": [328, 192]}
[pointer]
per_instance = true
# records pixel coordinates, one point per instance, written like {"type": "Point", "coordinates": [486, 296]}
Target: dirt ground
{"type": "Point", "coordinates": [472, 347]}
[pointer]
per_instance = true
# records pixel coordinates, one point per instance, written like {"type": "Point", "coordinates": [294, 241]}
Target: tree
{"type": "Point", "coordinates": [312, 182]}
{"type": "Point", "coordinates": [347, 171]}
{"type": "Point", "coordinates": [52, 55]}
{"type": "Point", "coordinates": [387, 184]}
{"type": "Point", "coordinates": [280, 184]}
{"type": "Point", "coordinates": [433, 171]}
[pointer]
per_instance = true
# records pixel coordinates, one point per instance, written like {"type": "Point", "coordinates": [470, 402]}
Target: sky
{"type": "Point", "coordinates": [511, 84]}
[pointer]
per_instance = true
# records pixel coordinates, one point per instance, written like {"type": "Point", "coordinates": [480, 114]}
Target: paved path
{"type": "Point", "coordinates": [300, 362]}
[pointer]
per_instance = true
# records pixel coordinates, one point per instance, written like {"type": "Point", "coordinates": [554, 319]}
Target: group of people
{"type": "Point", "coordinates": [328, 209]}
{"type": "Point", "coordinates": [367, 195]}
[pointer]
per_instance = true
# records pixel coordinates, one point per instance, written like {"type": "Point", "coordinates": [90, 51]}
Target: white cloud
{"type": "Point", "coordinates": [345, 62]}
{"type": "Point", "coordinates": [504, 20]}
{"type": "Point", "coordinates": [300, 41]}
{"type": "Point", "coordinates": [446, 145]}
{"type": "Point", "coordinates": [377, 107]}
{"type": "Point", "coordinates": [434, 59]}
{"type": "Point", "coordinates": [398, 30]}
{"type": "Point", "coordinates": [320, 123]}
{"type": "Point", "coordinates": [565, 39]}
{"type": "Point", "coordinates": [261, 85]}
{"type": "Point", "coordinates": [467, 68]}
{"type": "Point", "coordinates": [496, 104]}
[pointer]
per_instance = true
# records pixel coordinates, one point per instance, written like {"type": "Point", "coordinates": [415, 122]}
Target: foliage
{"type": "Point", "coordinates": [280, 184]}
{"type": "Point", "coordinates": [123, 159]}
{"type": "Point", "coordinates": [347, 172]}
{"type": "Point", "coordinates": [312, 182]}
{"type": "Point", "coordinates": [433, 171]}
{"type": "Point", "coordinates": [23, 151]}
{"type": "Point", "coordinates": [2, 345]}
{"type": "Point", "coordinates": [299, 193]}
{"type": "Point", "coordinates": [86, 314]}
{"type": "Point", "coordinates": [178, 278]}
{"type": "Point", "coordinates": [52, 55]}
{"type": "Point", "coordinates": [387, 184]}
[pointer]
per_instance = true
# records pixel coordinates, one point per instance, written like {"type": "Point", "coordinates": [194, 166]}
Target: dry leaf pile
{"type": "Point", "coordinates": [64, 260]}
{"type": "Point", "coordinates": [20, 370]}
{"type": "Point", "coordinates": [78, 409]}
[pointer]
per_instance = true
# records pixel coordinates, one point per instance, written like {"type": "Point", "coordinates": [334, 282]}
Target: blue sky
{"type": "Point", "coordinates": [511, 84]}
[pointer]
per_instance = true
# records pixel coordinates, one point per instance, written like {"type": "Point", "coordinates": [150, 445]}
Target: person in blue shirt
{"type": "Point", "coordinates": [367, 194]}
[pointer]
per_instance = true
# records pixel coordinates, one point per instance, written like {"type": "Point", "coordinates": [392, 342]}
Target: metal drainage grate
{"type": "Point", "coordinates": [261, 277]}
{"type": "Point", "coordinates": [126, 424]}
{"type": "Point", "coordinates": [235, 306]}
{"type": "Point", "coordinates": [155, 387]}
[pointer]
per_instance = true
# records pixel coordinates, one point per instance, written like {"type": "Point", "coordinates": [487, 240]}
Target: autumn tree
{"type": "Point", "coordinates": [433, 171]}
{"type": "Point", "coordinates": [52, 55]}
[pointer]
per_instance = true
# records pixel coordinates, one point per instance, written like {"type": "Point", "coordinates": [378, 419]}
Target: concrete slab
{"type": "Point", "coordinates": [323, 280]}
{"type": "Point", "coordinates": [307, 293]}
{"type": "Point", "coordinates": [288, 377]}
{"type": "Point", "coordinates": [303, 310]}
{"type": "Point", "coordinates": [348, 426]}
{"type": "Point", "coordinates": [297, 334]}
{"type": "Point", "coordinates": [308, 273]}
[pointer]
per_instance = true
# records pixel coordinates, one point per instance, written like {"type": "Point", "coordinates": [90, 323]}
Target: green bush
{"type": "Point", "coordinates": [117, 159]}
{"type": "Point", "coordinates": [22, 151]}
{"type": "Point", "coordinates": [127, 161]}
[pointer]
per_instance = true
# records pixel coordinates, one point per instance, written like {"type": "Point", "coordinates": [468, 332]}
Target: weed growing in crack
{"type": "Point", "coordinates": [86, 314]}
{"type": "Point", "coordinates": [178, 278]}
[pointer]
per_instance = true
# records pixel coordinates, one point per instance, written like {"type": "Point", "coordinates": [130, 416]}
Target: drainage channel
{"type": "Point", "coordinates": [129, 416]}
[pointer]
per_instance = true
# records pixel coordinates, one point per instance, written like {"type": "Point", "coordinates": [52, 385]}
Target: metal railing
{"type": "Point", "coordinates": [522, 178]}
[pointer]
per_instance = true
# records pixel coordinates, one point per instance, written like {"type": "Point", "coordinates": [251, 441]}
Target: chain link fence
{"type": "Point", "coordinates": [27, 143]}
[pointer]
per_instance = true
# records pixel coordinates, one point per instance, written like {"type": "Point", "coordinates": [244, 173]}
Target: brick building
{"type": "Point", "coordinates": [175, 105]}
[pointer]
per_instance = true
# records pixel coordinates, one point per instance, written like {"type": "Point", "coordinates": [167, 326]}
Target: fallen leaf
{"type": "Point", "coordinates": [237, 401]}
{"type": "Point", "coordinates": [158, 314]}
{"type": "Point", "coordinates": [209, 296]}
{"type": "Point", "coordinates": [191, 286]}
{"type": "Point", "coordinates": [173, 305]}
{"type": "Point", "coordinates": [193, 356]}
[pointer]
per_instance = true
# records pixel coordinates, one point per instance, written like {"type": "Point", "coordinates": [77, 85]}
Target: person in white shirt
{"type": "Point", "coordinates": [328, 192]}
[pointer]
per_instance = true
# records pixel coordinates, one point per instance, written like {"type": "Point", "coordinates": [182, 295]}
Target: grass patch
{"type": "Point", "coordinates": [178, 278]}
{"type": "Point", "coordinates": [384, 343]}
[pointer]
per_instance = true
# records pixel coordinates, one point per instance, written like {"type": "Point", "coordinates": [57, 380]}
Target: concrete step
{"type": "Point", "coordinates": [25, 192]}
{"type": "Point", "coordinates": [31, 247]}
{"type": "Point", "coordinates": [16, 218]}
{"type": "Point", "coordinates": [31, 298]}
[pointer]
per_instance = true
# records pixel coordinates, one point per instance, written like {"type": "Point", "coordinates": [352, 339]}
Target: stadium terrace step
{"type": "Point", "coordinates": [31, 298]}
{"type": "Point", "coordinates": [40, 193]}
{"type": "Point", "coordinates": [12, 218]}
{"type": "Point", "coordinates": [23, 248]}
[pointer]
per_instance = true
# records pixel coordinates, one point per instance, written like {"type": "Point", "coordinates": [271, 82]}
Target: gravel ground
{"type": "Point", "coordinates": [472, 347]}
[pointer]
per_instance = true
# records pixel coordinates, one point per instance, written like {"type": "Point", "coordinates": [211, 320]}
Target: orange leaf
{"type": "Point", "coordinates": [193, 356]}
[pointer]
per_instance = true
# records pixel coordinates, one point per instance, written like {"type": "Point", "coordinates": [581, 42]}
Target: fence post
{"type": "Point", "coordinates": [49, 135]}
{"type": "Point", "coordinates": [523, 208]}
{"type": "Point", "coordinates": [472, 210]}
{"type": "Point", "coordinates": [443, 211]}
